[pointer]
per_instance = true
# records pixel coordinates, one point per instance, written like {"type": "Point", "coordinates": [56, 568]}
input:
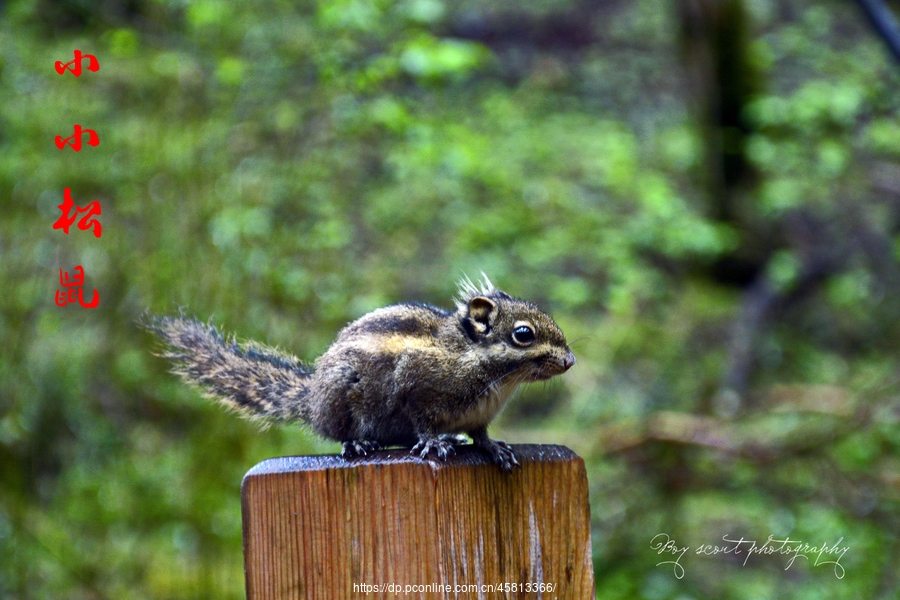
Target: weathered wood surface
{"type": "Point", "coordinates": [392, 525]}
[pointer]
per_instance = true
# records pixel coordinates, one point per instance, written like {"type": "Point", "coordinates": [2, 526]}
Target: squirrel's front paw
{"type": "Point", "coordinates": [352, 448]}
{"type": "Point", "coordinates": [439, 445]}
{"type": "Point", "coordinates": [455, 439]}
{"type": "Point", "coordinates": [500, 452]}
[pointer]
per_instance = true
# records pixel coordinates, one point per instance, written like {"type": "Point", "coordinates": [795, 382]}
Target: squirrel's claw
{"type": "Point", "coordinates": [500, 452]}
{"type": "Point", "coordinates": [353, 448]}
{"type": "Point", "coordinates": [453, 438]}
{"type": "Point", "coordinates": [439, 445]}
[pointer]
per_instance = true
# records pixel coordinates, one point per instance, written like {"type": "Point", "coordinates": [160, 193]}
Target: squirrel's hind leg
{"type": "Point", "coordinates": [498, 449]}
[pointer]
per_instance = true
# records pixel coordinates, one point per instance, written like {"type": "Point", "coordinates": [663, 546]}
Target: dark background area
{"type": "Point", "coordinates": [705, 194]}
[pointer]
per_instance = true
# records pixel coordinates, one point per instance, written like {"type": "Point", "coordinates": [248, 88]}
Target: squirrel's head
{"type": "Point", "coordinates": [516, 334]}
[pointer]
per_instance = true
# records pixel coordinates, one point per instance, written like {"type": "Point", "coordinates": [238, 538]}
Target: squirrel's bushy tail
{"type": "Point", "coordinates": [256, 381]}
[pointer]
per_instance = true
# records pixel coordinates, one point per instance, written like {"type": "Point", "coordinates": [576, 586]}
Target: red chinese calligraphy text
{"type": "Point", "coordinates": [74, 66]}
{"type": "Point", "coordinates": [68, 216]}
{"type": "Point", "coordinates": [72, 291]}
{"type": "Point", "coordinates": [74, 140]}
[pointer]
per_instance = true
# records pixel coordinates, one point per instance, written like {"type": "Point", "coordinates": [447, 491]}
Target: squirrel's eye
{"type": "Point", "coordinates": [523, 335]}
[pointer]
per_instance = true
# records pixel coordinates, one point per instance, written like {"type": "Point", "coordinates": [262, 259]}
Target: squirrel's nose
{"type": "Point", "coordinates": [569, 360]}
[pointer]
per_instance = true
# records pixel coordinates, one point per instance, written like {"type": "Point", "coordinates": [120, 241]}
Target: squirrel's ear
{"type": "Point", "coordinates": [481, 314]}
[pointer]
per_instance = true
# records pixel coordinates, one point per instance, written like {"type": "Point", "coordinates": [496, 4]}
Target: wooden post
{"type": "Point", "coordinates": [392, 525]}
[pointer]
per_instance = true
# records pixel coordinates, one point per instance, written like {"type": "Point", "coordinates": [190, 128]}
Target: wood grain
{"type": "Point", "coordinates": [322, 527]}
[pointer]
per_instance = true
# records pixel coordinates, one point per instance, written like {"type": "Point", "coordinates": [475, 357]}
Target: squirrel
{"type": "Point", "coordinates": [409, 374]}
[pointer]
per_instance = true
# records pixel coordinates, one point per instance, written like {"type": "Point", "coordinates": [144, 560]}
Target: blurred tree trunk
{"type": "Point", "coordinates": [722, 81]}
{"type": "Point", "coordinates": [714, 41]}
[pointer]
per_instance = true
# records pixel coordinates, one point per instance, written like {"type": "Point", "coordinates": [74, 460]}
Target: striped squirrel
{"type": "Point", "coordinates": [408, 375]}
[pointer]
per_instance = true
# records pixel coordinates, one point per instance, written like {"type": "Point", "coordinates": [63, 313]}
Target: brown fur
{"type": "Point", "coordinates": [408, 374]}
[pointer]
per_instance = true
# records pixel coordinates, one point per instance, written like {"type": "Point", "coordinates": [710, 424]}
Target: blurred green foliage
{"type": "Point", "coordinates": [715, 223]}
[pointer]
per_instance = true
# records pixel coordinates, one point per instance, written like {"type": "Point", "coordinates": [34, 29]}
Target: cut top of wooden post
{"type": "Point", "coordinates": [393, 525]}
